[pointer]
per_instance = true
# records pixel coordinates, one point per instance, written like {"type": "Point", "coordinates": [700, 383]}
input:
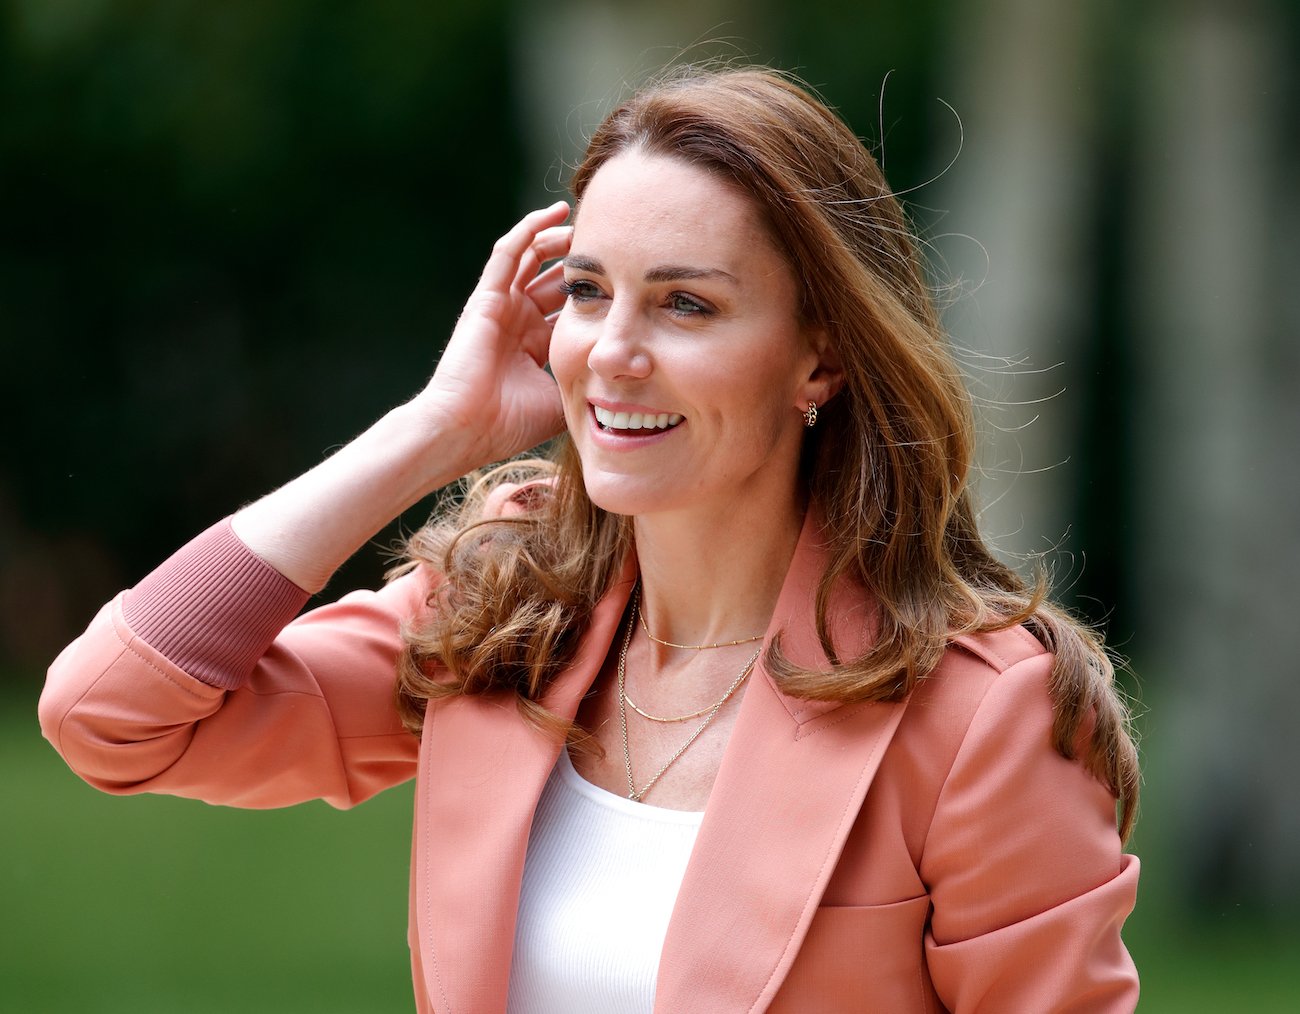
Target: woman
{"type": "Point", "coordinates": [824, 752]}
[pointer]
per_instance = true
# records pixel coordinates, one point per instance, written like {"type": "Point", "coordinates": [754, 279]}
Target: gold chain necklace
{"type": "Point", "coordinates": [735, 685]}
{"type": "Point", "coordinates": [633, 793]}
{"type": "Point", "coordinates": [691, 647]}
{"type": "Point", "coordinates": [668, 720]}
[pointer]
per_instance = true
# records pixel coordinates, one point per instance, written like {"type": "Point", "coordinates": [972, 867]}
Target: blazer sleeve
{"type": "Point", "coordinates": [1025, 869]}
{"type": "Point", "coordinates": [314, 718]}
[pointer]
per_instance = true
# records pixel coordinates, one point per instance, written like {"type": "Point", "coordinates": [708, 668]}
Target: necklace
{"type": "Point", "coordinates": [682, 718]}
{"type": "Point", "coordinates": [690, 647]}
{"type": "Point", "coordinates": [735, 685]}
{"type": "Point", "coordinates": [633, 793]}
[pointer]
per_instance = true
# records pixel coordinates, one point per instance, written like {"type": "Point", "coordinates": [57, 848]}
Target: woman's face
{"type": "Point", "coordinates": [679, 353]}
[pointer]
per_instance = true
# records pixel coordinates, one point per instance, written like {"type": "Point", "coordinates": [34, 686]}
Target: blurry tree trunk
{"type": "Point", "coordinates": [1219, 430]}
{"type": "Point", "coordinates": [1016, 231]}
{"type": "Point", "coordinates": [621, 44]}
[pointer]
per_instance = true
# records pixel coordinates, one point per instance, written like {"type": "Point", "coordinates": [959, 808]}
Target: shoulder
{"type": "Point", "coordinates": [1021, 855]}
{"type": "Point", "coordinates": [999, 650]}
{"type": "Point", "coordinates": [989, 691]}
{"type": "Point", "coordinates": [977, 738]}
{"type": "Point", "coordinates": [982, 670]}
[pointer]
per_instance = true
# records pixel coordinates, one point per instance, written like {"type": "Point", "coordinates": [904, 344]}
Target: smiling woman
{"type": "Point", "coordinates": [680, 305]}
{"type": "Point", "coordinates": [726, 708]}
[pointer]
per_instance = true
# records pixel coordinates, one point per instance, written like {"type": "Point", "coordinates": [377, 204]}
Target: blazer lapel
{"type": "Point", "coordinates": [481, 774]}
{"type": "Point", "coordinates": [790, 786]}
{"type": "Point", "coordinates": [789, 789]}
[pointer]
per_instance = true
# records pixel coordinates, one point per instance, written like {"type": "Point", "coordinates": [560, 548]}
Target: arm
{"type": "Point", "coordinates": [489, 399]}
{"type": "Point", "coordinates": [308, 714]}
{"type": "Point", "coordinates": [1025, 870]}
{"type": "Point", "coordinates": [188, 685]}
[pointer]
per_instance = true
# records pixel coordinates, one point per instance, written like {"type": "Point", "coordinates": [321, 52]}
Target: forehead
{"type": "Point", "coordinates": [652, 206]}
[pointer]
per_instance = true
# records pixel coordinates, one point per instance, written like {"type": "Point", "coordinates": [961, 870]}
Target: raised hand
{"type": "Point", "coordinates": [491, 387]}
{"type": "Point", "coordinates": [489, 398]}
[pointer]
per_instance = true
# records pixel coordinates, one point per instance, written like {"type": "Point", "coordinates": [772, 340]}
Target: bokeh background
{"type": "Point", "coordinates": [233, 234]}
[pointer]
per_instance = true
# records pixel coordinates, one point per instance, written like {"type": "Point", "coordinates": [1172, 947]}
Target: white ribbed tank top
{"type": "Point", "coordinates": [600, 880]}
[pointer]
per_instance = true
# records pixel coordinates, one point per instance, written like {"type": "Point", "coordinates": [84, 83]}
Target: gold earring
{"type": "Point", "coordinates": [810, 417]}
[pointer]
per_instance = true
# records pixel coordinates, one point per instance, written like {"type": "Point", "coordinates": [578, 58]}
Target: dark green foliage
{"type": "Point", "coordinates": [233, 235]}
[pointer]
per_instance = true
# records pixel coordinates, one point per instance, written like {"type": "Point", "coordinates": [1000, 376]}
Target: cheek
{"type": "Point", "coordinates": [568, 354]}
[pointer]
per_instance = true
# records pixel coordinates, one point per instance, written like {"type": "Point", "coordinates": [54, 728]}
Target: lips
{"type": "Point", "coordinates": [625, 421]}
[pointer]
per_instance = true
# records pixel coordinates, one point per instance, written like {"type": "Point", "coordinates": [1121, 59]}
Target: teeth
{"type": "Point", "coordinates": [635, 420]}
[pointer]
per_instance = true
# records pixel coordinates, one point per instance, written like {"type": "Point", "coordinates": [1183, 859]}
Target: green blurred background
{"type": "Point", "coordinates": [233, 234]}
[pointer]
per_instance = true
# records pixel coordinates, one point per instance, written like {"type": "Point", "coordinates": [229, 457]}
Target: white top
{"type": "Point", "coordinates": [600, 880]}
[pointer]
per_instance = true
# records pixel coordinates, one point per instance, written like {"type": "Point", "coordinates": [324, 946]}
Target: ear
{"type": "Point", "coordinates": [825, 376]}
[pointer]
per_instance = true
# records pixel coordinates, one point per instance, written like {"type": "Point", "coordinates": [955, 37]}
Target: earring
{"type": "Point", "coordinates": [810, 417]}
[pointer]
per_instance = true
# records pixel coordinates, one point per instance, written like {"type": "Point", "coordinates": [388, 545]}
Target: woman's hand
{"type": "Point", "coordinates": [491, 387]}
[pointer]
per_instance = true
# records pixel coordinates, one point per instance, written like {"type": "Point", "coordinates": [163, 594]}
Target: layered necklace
{"type": "Point", "coordinates": [689, 647]}
{"type": "Point", "coordinates": [709, 713]}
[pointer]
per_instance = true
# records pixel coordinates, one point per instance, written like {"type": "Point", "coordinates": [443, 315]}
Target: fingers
{"type": "Point", "coordinates": [549, 244]}
{"type": "Point", "coordinates": [547, 297]}
{"type": "Point", "coordinates": [545, 292]}
{"type": "Point", "coordinates": [504, 264]}
{"type": "Point", "coordinates": [537, 346]}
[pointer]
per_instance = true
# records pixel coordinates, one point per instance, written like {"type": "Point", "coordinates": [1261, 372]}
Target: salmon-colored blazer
{"type": "Point", "coordinates": [930, 855]}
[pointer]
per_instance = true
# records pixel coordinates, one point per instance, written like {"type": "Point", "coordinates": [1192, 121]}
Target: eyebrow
{"type": "Point", "coordinates": [662, 273]}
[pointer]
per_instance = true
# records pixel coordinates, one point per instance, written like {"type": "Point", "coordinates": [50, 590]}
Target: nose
{"type": "Point", "coordinates": [619, 351]}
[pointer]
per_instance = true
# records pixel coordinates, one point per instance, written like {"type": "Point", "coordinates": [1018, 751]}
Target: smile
{"type": "Point", "coordinates": [635, 420]}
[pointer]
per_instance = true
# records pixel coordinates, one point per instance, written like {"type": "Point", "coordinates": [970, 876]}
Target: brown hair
{"type": "Point", "coordinates": [888, 468]}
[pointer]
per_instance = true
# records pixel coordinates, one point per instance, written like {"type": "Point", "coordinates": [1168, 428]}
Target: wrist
{"type": "Point", "coordinates": [435, 446]}
{"type": "Point", "coordinates": [309, 526]}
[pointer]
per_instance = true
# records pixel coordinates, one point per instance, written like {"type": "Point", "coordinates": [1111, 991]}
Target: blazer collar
{"type": "Point", "coordinates": [790, 786]}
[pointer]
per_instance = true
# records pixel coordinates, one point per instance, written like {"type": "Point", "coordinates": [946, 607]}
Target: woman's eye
{"type": "Point", "coordinates": [685, 306]}
{"type": "Point", "coordinates": [579, 289]}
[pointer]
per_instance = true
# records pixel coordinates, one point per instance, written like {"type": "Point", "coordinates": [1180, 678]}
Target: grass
{"type": "Point", "coordinates": [1228, 960]}
{"type": "Point", "coordinates": [153, 904]}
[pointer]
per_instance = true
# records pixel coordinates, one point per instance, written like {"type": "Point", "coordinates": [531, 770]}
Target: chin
{"type": "Point", "coordinates": [614, 501]}
{"type": "Point", "coordinates": [622, 495]}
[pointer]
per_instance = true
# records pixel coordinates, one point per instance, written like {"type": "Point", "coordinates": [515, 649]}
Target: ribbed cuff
{"type": "Point", "coordinates": [213, 608]}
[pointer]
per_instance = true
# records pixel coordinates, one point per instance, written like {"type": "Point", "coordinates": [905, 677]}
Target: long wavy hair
{"type": "Point", "coordinates": [889, 467]}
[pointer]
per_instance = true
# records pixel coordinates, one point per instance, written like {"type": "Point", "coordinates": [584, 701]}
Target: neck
{"type": "Point", "coordinates": [709, 579]}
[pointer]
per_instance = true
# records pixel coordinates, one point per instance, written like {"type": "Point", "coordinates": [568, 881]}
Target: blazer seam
{"type": "Point", "coordinates": [428, 888]}
{"type": "Point", "coordinates": [345, 776]}
{"type": "Point", "coordinates": [974, 714]}
{"type": "Point", "coordinates": [125, 648]}
{"type": "Point", "coordinates": [398, 734]}
{"type": "Point", "coordinates": [847, 712]}
{"type": "Point", "coordinates": [972, 645]}
{"type": "Point", "coordinates": [952, 762]}
{"type": "Point", "coordinates": [84, 694]}
{"type": "Point", "coordinates": [129, 646]}
{"type": "Point", "coordinates": [161, 671]}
